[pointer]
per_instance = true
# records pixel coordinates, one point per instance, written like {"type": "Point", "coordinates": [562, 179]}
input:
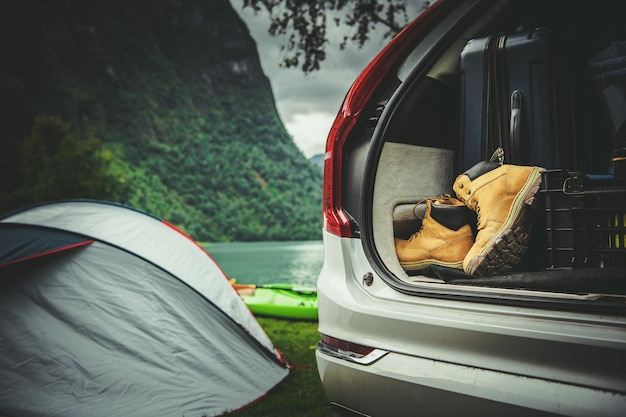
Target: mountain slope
{"type": "Point", "coordinates": [175, 89]}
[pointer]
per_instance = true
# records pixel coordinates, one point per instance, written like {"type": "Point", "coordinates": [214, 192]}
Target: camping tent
{"type": "Point", "coordinates": [107, 311]}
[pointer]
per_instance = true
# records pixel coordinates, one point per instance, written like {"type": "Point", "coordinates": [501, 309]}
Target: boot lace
{"type": "Point", "coordinates": [432, 200]}
{"type": "Point", "coordinates": [416, 234]}
{"type": "Point", "coordinates": [476, 208]}
{"type": "Point", "coordinates": [498, 156]}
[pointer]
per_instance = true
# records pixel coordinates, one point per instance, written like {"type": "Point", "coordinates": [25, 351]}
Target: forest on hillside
{"type": "Point", "coordinates": [158, 105]}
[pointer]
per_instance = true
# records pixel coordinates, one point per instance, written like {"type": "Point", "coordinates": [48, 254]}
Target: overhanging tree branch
{"type": "Point", "coordinates": [304, 22]}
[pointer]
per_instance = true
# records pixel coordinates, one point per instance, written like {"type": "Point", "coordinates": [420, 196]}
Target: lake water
{"type": "Point", "coordinates": [260, 263]}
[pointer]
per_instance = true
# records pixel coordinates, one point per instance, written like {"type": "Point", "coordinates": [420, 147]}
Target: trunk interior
{"type": "Point", "coordinates": [577, 245]}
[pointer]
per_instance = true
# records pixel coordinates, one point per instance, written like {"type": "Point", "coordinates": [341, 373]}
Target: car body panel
{"type": "Point", "coordinates": [445, 349]}
{"type": "Point", "coordinates": [437, 388]}
{"type": "Point", "coordinates": [542, 344]}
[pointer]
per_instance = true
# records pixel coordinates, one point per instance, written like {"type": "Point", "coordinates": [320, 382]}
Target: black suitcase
{"type": "Point", "coordinates": [517, 93]}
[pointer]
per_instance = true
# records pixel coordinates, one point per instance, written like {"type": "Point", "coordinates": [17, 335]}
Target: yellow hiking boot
{"type": "Point", "coordinates": [502, 197]}
{"type": "Point", "coordinates": [444, 238]}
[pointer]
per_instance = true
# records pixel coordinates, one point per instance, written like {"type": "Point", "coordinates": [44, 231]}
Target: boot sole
{"type": "Point", "coordinates": [506, 247]}
{"type": "Point", "coordinates": [416, 266]}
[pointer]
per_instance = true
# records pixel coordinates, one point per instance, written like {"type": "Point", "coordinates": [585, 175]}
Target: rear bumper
{"type": "Point", "coordinates": [445, 357]}
{"type": "Point", "coordinates": [401, 385]}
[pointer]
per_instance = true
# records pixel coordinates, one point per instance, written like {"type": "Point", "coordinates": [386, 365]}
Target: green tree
{"type": "Point", "coordinates": [58, 164]}
{"type": "Point", "coordinates": [15, 124]}
{"type": "Point", "coordinates": [305, 24]}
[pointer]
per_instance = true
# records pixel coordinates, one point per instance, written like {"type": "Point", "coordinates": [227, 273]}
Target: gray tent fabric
{"type": "Point", "coordinates": [100, 330]}
{"type": "Point", "coordinates": [19, 243]}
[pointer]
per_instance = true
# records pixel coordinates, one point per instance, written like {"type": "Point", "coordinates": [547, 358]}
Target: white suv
{"type": "Point", "coordinates": [546, 338]}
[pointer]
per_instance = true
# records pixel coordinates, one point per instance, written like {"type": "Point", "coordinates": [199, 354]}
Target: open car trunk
{"type": "Point", "coordinates": [576, 252]}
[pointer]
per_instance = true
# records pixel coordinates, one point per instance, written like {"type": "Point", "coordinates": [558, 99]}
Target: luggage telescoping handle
{"type": "Point", "coordinates": [496, 104]}
{"type": "Point", "coordinates": [495, 83]}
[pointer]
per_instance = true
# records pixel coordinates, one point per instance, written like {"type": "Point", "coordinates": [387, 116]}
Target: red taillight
{"type": "Point", "coordinates": [335, 219]}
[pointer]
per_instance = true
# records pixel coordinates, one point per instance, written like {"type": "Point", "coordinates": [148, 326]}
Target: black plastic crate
{"type": "Point", "coordinates": [585, 220]}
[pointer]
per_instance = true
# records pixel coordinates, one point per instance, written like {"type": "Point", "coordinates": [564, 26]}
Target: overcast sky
{"type": "Point", "coordinates": [308, 104]}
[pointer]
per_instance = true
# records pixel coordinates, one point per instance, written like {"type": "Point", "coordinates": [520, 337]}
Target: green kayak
{"type": "Point", "coordinates": [280, 300]}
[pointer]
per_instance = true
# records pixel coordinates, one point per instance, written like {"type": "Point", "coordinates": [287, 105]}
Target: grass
{"type": "Point", "coordinates": [301, 394]}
